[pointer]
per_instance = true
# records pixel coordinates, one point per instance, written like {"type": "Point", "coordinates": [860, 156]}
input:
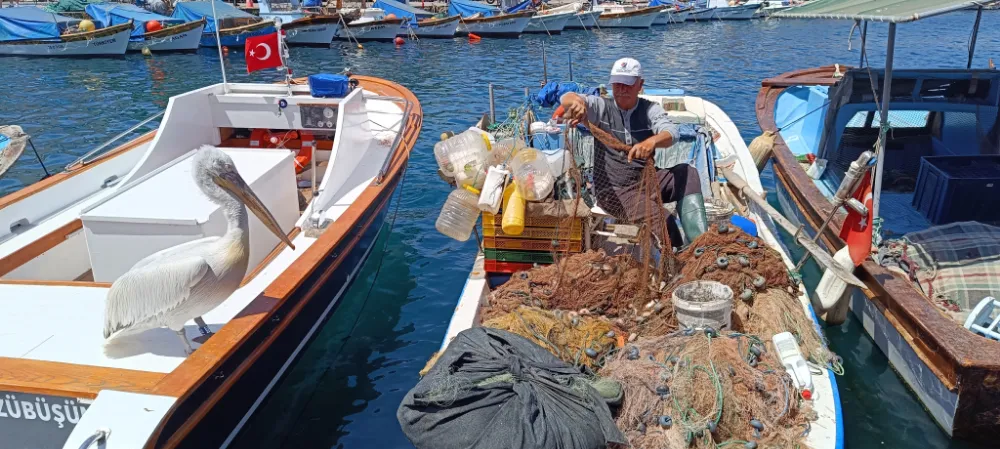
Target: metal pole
{"type": "Point", "coordinates": [39, 157]}
{"type": "Point", "coordinates": [975, 34]}
{"type": "Point", "coordinates": [218, 42]}
{"type": "Point", "coordinates": [864, 37]}
{"type": "Point", "coordinates": [884, 118]}
{"type": "Point", "coordinates": [493, 110]}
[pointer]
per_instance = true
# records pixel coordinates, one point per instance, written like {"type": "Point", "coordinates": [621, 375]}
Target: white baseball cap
{"type": "Point", "coordinates": [626, 71]}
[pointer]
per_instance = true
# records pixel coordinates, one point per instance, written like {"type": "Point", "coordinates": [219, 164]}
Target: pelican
{"type": "Point", "coordinates": [172, 286]}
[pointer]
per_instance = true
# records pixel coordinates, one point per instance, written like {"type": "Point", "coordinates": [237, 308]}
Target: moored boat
{"type": "Point", "coordinates": [486, 21]}
{"type": "Point", "coordinates": [626, 16]}
{"type": "Point", "coordinates": [671, 13]}
{"type": "Point", "coordinates": [150, 30]}
{"type": "Point", "coordinates": [929, 189]}
{"type": "Point", "coordinates": [373, 26]}
{"type": "Point", "coordinates": [140, 390]}
{"type": "Point", "coordinates": [701, 14]}
{"type": "Point", "coordinates": [741, 11]}
{"type": "Point", "coordinates": [30, 31]}
{"type": "Point", "coordinates": [547, 22]}
{"type": "Point", "coordinates": [235, 25]}
{"type": "Point", "coordinates": [301, 27]}
{"type": "Point", "coordinates": [421, 23]}
{"type": "Point", "coordinates": [490, 275]}
{"type": "Point", "coordinates": [769, 7]}
{"type": "Point", "coordinates": [583, 19]}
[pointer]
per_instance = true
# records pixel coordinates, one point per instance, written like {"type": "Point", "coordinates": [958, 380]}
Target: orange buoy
{"type": "Point", "coordinates": [153, 25]}
{"type": "Point", "coordinates": [400, 41]}
{"type": "Point", "coordinates": [474, 38]}
{"type": "Point", "coordinates": [264, 138]}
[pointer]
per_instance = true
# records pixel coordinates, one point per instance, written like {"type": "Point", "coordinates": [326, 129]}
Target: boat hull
{"type": "Point", "coordinates": [548, 24]}
{"type": "Point", "coordinates": [639, 19]}
{"type": "Point", "coordinates": [312, 31]}
{"type": "Point", "coordinates": [374, 31]}
{"type": "Point", "coordinates": [743, 12]}
{"type": "Point", "coordinates": [767, 12]}
{"type": "Point", "coordinates": [946, 366]}
{"type": "Point", "coordinates": [436, 28]}
{"type": "Point", "coordinates": [700, 15]}
{"type": "Point", "coordinates": [506, 26]}
{"type": "Point", "coordinates": [111, 45]}
{"type": "Point", "coordinates": [186, 40]}
{"type": "Point", "coordinates": [584, 20]}
{"type": "Point", "coordinates": [669, 16]}
{"type": "Point", "coordinates": [236, 37]}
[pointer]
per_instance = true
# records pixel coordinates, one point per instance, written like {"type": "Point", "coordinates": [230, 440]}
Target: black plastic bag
{"type": "Point", "coordinates": [492, 389]}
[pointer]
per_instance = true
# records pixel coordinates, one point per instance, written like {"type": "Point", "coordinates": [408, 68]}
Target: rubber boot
{"type": "Point", "coordinates": [693, 218]}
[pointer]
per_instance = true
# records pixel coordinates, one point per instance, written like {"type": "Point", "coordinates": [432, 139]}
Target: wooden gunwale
{"type": "Point", "coordinates": [962, 361]}
{"type": "Point", "coordinates": [311, 20]}
{"type": "Point", "coordinates": [441, 21]}
{"type": "Point", "coordinates": [248, 28]}
{"type": "Point", "coordinates": [396, 21]}
{"type": "Point", "coordinates": [71, 380]}
{"type": "Point", "coordinates": [73, 37]}
{"type": "Point", "coordinates": [170, 31]}
{"type": "Point", "coordinates": [516, 15]}
{"type": "Point", "coordinates": [638, 12]}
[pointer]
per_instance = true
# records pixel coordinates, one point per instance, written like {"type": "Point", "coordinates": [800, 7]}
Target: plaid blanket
{"type": "Point", "coordinates": [955, 265]}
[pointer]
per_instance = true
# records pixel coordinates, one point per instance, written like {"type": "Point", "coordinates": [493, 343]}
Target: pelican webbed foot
{"type": "Point", "coordinates": [188, 350]}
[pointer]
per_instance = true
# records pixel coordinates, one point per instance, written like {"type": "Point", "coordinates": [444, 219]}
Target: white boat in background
{"type": "Point", "coordinates": [583, 19]}
{"type": "Point", "coordinates": [301, 27]}
{"type": "Point", "coordinates": [744, 11]}
{"type": "Point", "coordinates": [769, 7]}
{"type": "Point", "coordinates": [548, 22]}
{"type": "Point", "coordinates": [172, 34]}
{"type": "Point", "coordinates": [671, 14]}
{"type": "Point", "coordinates": [701, 15]}
{"type": "Point", "coordinates": [419, 22]}
{"type": "Point", "coordinates": [487, 21]}
{"type": "Point", "coordinates": [445, 28]}
{"type": "Point", "coordinates": [31, 31]}
{"type": "Point", "coordinates": [626, 16]}
{"type": "Point", "coordinates": [373, 25]}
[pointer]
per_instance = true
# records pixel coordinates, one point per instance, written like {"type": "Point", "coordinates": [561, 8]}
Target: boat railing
{"type": "Point", "coordinates": [90, 155]}
{"type": "Point", "coordinates": [403, 123]}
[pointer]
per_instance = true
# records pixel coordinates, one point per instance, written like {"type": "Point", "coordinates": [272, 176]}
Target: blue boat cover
{"type": "Point", "coordinates": [550, 94]}
{"type": "Point", "coordinates": [108, 14]}
{"type": "Point", "coordinates": [662, 2]}
{"type": "Point", "coordinates": [467, 8]}
{"type": "Point", "coordinates": [403, 11]}
{"type": "Point", "coordinates": [29, 22]}
{"type": "Point", "coordinates": [191, 11]}
{"type": "Point", "coordinates": [520, 6]}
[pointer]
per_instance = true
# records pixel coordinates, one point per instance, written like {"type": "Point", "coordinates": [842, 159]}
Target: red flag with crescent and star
{"type": "Point", "coordinates": [263, 52]}
{"type": "Point", "coordinates": [857, 229]}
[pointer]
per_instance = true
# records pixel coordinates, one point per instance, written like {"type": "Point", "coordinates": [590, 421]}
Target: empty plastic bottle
{"type": "Point", "coordinates": [466, 147]}
{"type": "Point", "coordinates": [459, 214]}
{"type": "Point", "coordinates": [532, 174]}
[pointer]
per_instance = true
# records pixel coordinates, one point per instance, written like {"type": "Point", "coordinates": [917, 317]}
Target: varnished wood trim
{"type": "Point", "coordinates": [170, 31]}
{"type": "Point", "coordinates": [500, 17]}
{"type": "Point", "coordinates": [62, 176]}
{"type": "Point", "coordinates": [441, 21]}
{"type": "Point", "coordinates": [55, 283]}
{"type": "Point", "coordinates": [197, 367]}
{"type": "Point", "coordinates": [270, 256]}
{"type": "Point", "coordinates": [73, 37]}
{"type": "Point", "coordinates": [638, 12]}
{"type": "Point", "coordinates": [248, 28]}
{"type": "Point", "coordinates": [311, 20]}
{"type": "Point", "coordinates": [38, 247]}
{"type": "Point", "coordinates": [66, 379]}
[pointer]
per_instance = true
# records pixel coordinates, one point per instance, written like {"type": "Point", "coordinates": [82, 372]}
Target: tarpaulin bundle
{"type": "Point", "coordinates": [549, 94]}
{"type": "Point", "coordinates": [492, 389]}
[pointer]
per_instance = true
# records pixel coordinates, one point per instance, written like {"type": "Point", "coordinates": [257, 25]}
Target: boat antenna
{"type": "Point", "coordinates": [218, 43]}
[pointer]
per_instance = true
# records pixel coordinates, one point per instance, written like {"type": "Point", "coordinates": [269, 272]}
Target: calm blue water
{"type": "Point", "coordinates": [345, 390]}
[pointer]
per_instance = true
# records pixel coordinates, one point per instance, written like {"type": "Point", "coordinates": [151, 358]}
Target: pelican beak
{"type": "Point", "coordinates": [234, 183]}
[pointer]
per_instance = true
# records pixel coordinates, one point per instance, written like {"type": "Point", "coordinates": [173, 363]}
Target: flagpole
{"type": "Point", "coordinates": [283, 48]}
{"type": "Point", "coordinates": [218, 42]}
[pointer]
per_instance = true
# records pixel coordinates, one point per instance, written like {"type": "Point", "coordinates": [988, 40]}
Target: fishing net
{"type": "Point", "coordinates": [775, 311]}
{"type": "Point", "coordinates": [694, 389]}
{"type": "Point", "coordinates": [579, 340]}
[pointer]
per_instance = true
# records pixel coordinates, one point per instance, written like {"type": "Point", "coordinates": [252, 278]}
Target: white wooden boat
{"type": "Point", "coordinates": [174, 34]}
{"type": "Point", "coordinates": [769, 7]}
{"type": "Point", "coordinates": [419, 22]}
{"type": "Point", "coordinates": [31, 31]}
{"type": "Point", "coordinates": [184, 37]}
{"type": "Point", "coordinates": [672, 15]}
{"type": "Point", "coordinates": [371, 26]}
{"type": "Point", "coordinates": [583, 19]}
{"type": "Point", "coordinates": [547, 22]}
{"type": "Point", "coordinates": [827, 431]}
{"type": "Point", "coordinates": [503, 25]}
{"type": "Point", "coordinates": [67, 237]}
{"type": "Point", "coordinates": [745, 11]}
{"type": "Point", "coordinates": [445, 28]}
{"type": "Point", "coordinates": [626, 16]}
{"type": "Point", "coordinates": [701, 15]}
{"type": "Point", "coordinates": [301, 27]}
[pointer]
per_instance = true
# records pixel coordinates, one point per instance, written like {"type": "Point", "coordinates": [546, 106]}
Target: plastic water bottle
{"type": "Point", "coordinates": [459, 214]}
{"type": "Point", "coordinates": [532, 174]}
{"type": "Point", "coordinates": [462, 146]}
{"type": "Point", "coordinates": [504, 149]}
{"type": "Point", "coordinates": [795, 364]}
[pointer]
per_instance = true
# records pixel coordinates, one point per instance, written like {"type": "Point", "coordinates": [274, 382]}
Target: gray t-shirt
{"type": "Point", "coordinates": [658, 118]}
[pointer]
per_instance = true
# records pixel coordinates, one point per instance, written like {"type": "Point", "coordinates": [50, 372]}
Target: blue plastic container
{"type": "Point", "coordinates": [958, 188]}
{"type": "Point", "coordinates": [745, 224]}
{"type": "Point", "coordinates": [326, 85]}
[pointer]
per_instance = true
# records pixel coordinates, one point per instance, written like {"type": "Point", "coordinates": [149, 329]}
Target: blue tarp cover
{"type": "Point", "coordinates": [520, 6]}
{"type": "Point", "coordinates": [108, 14]}
{"type": "Point", "coordinates": [467, 8]}
{"type": "Point", "coordinates": [29, 22]}
{"type": "Point", "coordinates": [403, 11]}
{"type": "Point", "coordinates": [191, 11]}
{"type": "Point", "coordinates": [550, 94]}
{"type": "Point", "coordinates": [662, 2]}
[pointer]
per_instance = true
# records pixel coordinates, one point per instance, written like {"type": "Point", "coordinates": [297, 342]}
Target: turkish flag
{"type": "Point", "coordinates": [262, 52]}
{"type": "Point", "coordinates": [857, 230]}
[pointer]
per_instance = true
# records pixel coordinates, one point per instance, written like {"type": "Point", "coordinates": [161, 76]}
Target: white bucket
{"type": "Point", "coordinates": [700, 304]}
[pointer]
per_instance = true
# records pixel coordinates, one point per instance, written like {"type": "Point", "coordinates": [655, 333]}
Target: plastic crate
{"type": "Point", "coordinates": [501, 255]}
{"type": "Point", "coordinates": [533, 245]}
{"type": "Point", "coordinates": [564, 233]}
{"type": "Point", "coordinates": [496, 266]}
{"type": "Point", "coordinates": [536, 222]}
{"type": "Point", "coordinates": [958, 188]}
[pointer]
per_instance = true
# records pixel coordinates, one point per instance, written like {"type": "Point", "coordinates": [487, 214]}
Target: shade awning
{"type": "Point", "coordinates": [894, 11]}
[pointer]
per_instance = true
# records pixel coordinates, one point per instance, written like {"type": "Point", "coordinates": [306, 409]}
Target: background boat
{"type": "Point", "coordinates": [173, 35]}
{"type": "Point", "coordinates": [723, 11]}
{"type": "Point", "coordinates": [300, 27]}
{"type": "Point", "coordinates": [487, 21]}
{"type": "Point", "coordinates": [702, 14]}
{"type": "Point", "coordinates": [626, 16]}
{"type": "Point", "coordinates": [544, 22]}
{"type": "Point", "coordinates": [373, 25]}
{"type": "Point", "coordinates": [235, 25]}
{"type": "Point", "coordinates": [583, 19]}
{"type": "Point", "coordinates": [30, 31]}
{"type": "Point", "coordinates": [420, 22]}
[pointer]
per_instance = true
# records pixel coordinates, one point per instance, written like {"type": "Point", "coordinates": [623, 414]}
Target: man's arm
{"type": "Point", "coordinates": [666, 134]}
{"type": "Point", "coordinates": [576, 107]}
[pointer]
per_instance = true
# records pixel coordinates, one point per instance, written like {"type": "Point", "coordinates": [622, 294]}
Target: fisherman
{"type": "Point", "coordinates": [645, 126]}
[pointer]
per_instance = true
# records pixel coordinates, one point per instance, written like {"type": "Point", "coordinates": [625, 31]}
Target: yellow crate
{"type": "Point", "coordinates": [537, 222]}
{"type": "Point", "coordinates": [563, 233]}
{"type": "Point", "coordinates": [532, 245]}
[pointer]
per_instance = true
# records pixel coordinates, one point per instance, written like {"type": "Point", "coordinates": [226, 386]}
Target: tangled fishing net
{"type": "Point", "coordinates": [693, 388]}
{"type": "Point", "coordinates": [775, 311]}
{"type": "Point", "coordinates": [578, 340]}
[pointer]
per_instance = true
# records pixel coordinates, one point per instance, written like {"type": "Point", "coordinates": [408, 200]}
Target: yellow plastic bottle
{"type": "Point", "coordinates": [513, 213]}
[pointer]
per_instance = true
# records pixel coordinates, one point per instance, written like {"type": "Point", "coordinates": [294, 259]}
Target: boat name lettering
{"type": "Point", "coordinates": [104, 42]}
{"type": "Point", "coordinates": [501, 23]}
{"type": "Point", "coordinates": [38, 408]}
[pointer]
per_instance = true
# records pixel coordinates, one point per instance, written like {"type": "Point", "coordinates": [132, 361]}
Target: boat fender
{"type": "Point", "coordinates": [264, 138]}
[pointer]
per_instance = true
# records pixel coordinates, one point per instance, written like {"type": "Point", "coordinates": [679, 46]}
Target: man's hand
{"type": "Point", "coordinates": [642, 150]}
{"type": "Point", "coordinates": [574, 108]}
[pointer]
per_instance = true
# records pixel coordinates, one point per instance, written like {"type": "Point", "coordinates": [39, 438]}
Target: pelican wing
{"type": "Point", "coordinates": [150, 289]}
{"type": "Point", "coordinates": [174, 252]}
